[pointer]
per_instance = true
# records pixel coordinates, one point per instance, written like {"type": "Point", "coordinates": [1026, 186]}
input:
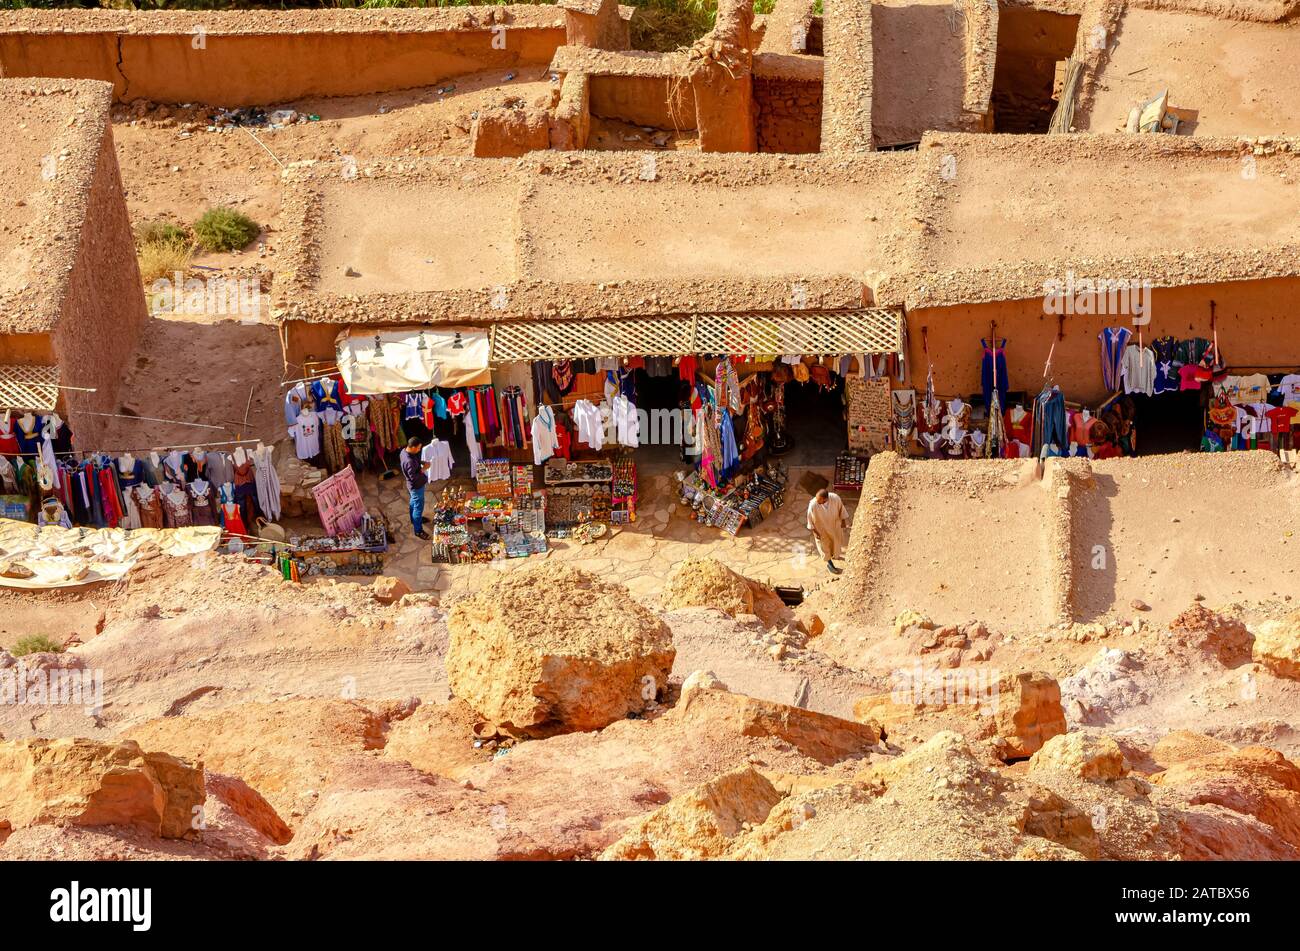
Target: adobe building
{"type": "Point", "coordinates": [915, 174]}
{"type": "Point", "coordinates": [71, 301]}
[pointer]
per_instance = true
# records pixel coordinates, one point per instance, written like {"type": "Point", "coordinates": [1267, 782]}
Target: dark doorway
{"type": "Point", "coordinates": [1170, 422]}
{"type": "Point", "coordinates": [1032, 48]}
{"type": "Point", "coordinates": [814, 419]}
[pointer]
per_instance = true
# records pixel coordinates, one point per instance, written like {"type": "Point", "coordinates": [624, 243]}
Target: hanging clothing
{"type": "Point", "coordinates": [267, 481]}
{"type": "Point", "coordinates": [203, 504]}
{"type": "Point", "coordinates": [438, 456]}
{"type": "Point", "coordinates": [993, 371]}
{"type": "Point", "coordinates": [1113, 341]}
{"type": "Point", "coordinates": [625, 423]}
{"type": "Point", "coordinates": [591, 426]}
{"type": "Point", "coordinates": [1050, 436]}
{"type": "Point", "coordinates": [307, 435]}
{"type": "Point", "coordinates": [176, 508]}
{"type": "Point", "coordinates": [1139, 370]}
{"type": "Point", "coordinates": [544, 434]}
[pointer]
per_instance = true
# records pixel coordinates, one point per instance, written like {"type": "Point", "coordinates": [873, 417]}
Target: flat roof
{"type": "Point", "coordinates": [584, 235]}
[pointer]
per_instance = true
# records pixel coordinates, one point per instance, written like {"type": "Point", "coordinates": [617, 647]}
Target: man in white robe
{"type": "Point", "coordinates": [828, 521]}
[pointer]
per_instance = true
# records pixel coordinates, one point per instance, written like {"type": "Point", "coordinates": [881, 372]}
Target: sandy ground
{"type": "Point", "coordinates": [1178, 526]}
{"type": "Point", "coordinates": [417, 239]}
{"type": "Point", "coordinates": [1230, 210]}
{"type": "Point", "coordinates": [968, 542]}
{"type": "Point", "coordinates": [1238, 77]}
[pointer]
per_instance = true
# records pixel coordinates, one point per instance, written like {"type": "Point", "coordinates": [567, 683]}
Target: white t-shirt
{"type": "Point", "coordinates": [306, 435]}
{"type": "Point", "coordinates": [438, 455]}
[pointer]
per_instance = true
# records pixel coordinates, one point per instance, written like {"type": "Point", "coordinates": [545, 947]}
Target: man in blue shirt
{"type": "Point", "coordinates": [413, 469]}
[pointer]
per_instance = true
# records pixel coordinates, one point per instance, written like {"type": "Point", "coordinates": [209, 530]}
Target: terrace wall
{"type": "Point", "coordinates": [256, 58]}
{"type": "Point", "coordinates": [104, 307]}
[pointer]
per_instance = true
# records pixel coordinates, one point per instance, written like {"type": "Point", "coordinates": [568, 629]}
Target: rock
{"type": "Point", "coordinates": [248, 804]}
{"type": "Point", "coordinates": [1086, 755]}
{"type": "Point", "coordinates": [1139, 605]}
{"type": "Point", "coordinates": [1277, 646]}
{"type": "Point", "coordinates": [706, 582]}
{"type": "Point", "coordinates": [811, 621]}
{"type": "Point", "coordinates": [503, 131]}
{"type": "Point", "coordinates": [701, 680]}
{"type": "Point", "coordinates": [909, 619]}
{"type": "Point", "coordinates": [88, 783]}
{"type": "Point", "coordinates": [1254, 781]}
{"type": "Point", "coordinates": [701, 824]}
{"type": "Point", "coordinates": [1028, 713]}
{"type": "Point", "coordinates": [388, 590]}
{"type": "Point", "coordinates": [825, 738]}
{"type": "Point", "coordinates": [1223, 637]}
{"type": "Point", "coordinates": [552, 649]}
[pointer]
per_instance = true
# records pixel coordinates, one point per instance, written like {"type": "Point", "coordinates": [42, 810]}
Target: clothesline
{"type": "Point", "coordinates": [150, 419]}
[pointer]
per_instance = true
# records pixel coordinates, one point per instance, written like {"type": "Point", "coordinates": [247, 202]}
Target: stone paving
{"type": "Point", "coordinates": [640, 555]}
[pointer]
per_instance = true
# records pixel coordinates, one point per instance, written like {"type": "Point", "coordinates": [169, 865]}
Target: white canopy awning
{"type": "Point", "coordinates": [394, 360]}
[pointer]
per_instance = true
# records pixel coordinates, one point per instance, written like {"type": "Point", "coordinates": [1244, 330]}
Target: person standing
{"type": "Point", "coordinates": [828, 521]}
{"type": "Point", "coordinates": [414, 469]}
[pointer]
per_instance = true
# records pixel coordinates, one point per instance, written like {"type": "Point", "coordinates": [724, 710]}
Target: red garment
{"type": "Point", "coordinates": [1107, 450]}
{"type": "Point", "coordinates": [428, 413]}
{"type": "Point", "coordinates": [1280, 417]}
{"type": "Point", "coordinates": [1189, 374]}
{"type": "Point", "coordinates": [1024, 431]}
{"type": "Point", "coordinates": [561, 441]}
{"type": "Point", "coordinates": [108, 492]}
{"type": "Point", "coordinates": [687, 368]}
{"type": "Point", "coordinates": [234, 520]}
{"type": "Point", "coordinates": [457, 403]}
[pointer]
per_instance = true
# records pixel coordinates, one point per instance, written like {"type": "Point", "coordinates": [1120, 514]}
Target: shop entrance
{"type": "Point", "coordinates": [1170, 422]}
{"type": "Point", "coordinates": [814, 422]}
{"type": "Point", "coordinates": [1032, 48]}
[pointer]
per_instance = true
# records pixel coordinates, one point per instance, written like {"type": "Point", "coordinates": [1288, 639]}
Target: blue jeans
{"type": "Point", "coordinates": [417, 508]}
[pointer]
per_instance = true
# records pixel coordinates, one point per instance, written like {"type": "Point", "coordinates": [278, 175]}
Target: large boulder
{"type": "Point", "coordinates": [90, 783]}
{"type": "Point", "coordinates": [1086, 755]}
{"type": "Point", "coordinates": [553, 649]}
{"type": "Point", "coordinates": [510, 131]}
{"type": "Point", "coordinates": [1277, 646]}
{"type": "Point", "coordinates": [1254, 781]}
{"type": "Point", "coordinates": [702, 823]}
{"type": "Point", "coordinates": [1018, 712]}
{"type": "Point", "coordinates": [1028, 713]}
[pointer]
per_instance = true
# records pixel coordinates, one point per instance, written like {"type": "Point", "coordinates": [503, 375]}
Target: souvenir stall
{"type": "Point", "coordinates": [554, 446]}
{"type": "Point", "coordinates": [43, 478]}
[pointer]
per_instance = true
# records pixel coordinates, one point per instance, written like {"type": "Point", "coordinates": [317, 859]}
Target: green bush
{"type": "Point", "coordinates": [35, 644]}
{"type": "Point", "coordinates": [224, 229]}
{"type": "Point", "coordinates": [161, 231]}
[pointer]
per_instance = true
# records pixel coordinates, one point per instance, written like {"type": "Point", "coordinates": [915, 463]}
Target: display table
{"type": "Point", "coordinates": [746, 500]}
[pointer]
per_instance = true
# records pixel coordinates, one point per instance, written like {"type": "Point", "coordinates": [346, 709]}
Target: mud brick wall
{"type": "Point", "coordinates": [789, 115]}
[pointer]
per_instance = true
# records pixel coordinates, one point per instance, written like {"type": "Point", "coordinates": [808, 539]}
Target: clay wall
{"type": "Point", "coordinates": [104, 308]}
{"type": "Point", "coordinates": [1255, 321]}
{"type": "Point", "coordinates": [246, 58]}
{"type": "Point", "coordinates": [789, 115]}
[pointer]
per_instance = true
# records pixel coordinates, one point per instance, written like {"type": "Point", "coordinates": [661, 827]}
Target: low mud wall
{"type": "Point", "coordinates": [262, 57]}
